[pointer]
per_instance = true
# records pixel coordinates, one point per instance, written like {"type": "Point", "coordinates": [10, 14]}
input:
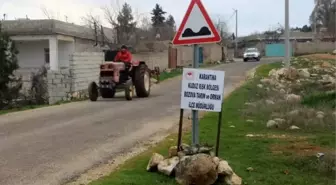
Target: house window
{"type": "Point", "coordinates": [46, 56]}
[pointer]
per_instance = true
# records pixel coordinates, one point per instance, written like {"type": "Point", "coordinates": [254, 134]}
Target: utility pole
{"type": "Point", "coordinates": [287, 41]}
{"type": "Point", "coordinates": [236, 34]}
{"type": "Point", "coordinates": [315, 19]}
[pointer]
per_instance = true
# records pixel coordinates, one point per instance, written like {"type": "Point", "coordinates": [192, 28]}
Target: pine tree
{"type": "Point", "coordinates": [158, 16]}
{"type": "Point", "coordinates": [125, 23]}
{"type": "Point", "coordinates": [170, 23]}
{"type": "Point", "coordinates": [9, 84]}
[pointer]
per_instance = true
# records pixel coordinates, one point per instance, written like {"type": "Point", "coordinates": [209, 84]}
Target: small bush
{"type": "Point", "coordinates": [321, 99]}
{"type": "Point", "coordinates": [9, 84]}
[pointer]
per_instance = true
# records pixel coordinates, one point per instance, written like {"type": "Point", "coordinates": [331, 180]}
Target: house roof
{"type": "Point", "coordinates": [50, 27]}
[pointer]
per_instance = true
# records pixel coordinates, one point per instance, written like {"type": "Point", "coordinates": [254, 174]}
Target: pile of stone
{"type": "Point", "coordinates": [194, 165]}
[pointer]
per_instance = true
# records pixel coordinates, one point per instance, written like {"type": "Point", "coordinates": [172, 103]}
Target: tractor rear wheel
{"type": "Point", "coordinates": [142, 81]}
{"type": "Point", "coordinates": [93, 91]}
{"type": "Point", "coordinates": [107, 93]}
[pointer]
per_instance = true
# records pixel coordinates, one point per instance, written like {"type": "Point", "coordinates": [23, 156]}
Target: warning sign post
{"type": "Point", "coordinates": [199, 94]}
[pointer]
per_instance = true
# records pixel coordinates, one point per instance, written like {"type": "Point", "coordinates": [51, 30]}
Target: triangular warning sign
{"type": "Point", "coordinates": [196, 27]}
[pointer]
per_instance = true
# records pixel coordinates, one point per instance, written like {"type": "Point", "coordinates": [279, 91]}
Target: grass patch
{"type": "Point", "coordinates": [273, 162]}
{"type": "Point", "coordinates": [29, 107]}
{"type": "Point", "coordinates": [6, 111]}
{"type": "Point", "coordinates": [263, 70]}
{"type": "Point", "coordinates": [173, 73]}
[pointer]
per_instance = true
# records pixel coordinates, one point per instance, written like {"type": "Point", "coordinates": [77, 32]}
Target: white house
{"type": "Point", "coordinates": [51, 42]}
{"type": "Point", "coordinates": [71, 53]}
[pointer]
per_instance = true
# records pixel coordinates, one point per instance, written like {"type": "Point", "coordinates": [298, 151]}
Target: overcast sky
{"type": "Point", "coordinates": [257, 15]}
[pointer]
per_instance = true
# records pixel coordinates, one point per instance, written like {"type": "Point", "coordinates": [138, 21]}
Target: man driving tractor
{"type": "Point", "coordinates": [123, 55]}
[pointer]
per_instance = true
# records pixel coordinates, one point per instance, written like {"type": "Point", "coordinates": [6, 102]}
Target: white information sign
{"type": "Point", "coordinates": [202, 89]}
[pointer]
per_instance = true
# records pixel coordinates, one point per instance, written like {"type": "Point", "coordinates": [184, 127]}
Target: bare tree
{"type": "Point", "coordinates": [324, 16]}
{"type": "Point", "coordinates": [223, 30]}
{"type": "Point", "coordinates": [47, 13]}
{"type": "Point", "coordinates": [111, 14]}
{"type": "Point", "coordinates": [91, 20]}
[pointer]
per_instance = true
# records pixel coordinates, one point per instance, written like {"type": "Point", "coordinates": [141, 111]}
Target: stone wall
{"type": "Point", "coordinates": [59, 85]}
{"type": "Point", "coordinates": [26, 75]}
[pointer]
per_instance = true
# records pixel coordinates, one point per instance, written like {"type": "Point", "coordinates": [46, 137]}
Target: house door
{"type": "Point", "coordinates": [172, 58]}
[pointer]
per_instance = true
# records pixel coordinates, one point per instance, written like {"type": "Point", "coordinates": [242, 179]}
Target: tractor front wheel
{"type": "Point", "coordinates": [93, 91]}
{"type": "Point", "coordinates": [129, 92]}
{"type": "Point", "coordinates": [142, 81]}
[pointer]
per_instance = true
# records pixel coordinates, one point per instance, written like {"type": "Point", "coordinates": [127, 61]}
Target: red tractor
{"type": "Point", "coordinates": [134, 77]}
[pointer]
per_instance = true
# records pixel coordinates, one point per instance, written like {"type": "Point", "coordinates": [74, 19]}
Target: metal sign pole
{"type": "Point", "coordinates": [195, 125]}
{"type": "Point", "coordinates": [219, 126]}
{"type": "Point", "coordinates": [179, 139]}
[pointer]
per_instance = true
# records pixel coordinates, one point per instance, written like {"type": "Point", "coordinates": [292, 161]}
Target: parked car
{"type": "Point", "coordinates": [251, 54]}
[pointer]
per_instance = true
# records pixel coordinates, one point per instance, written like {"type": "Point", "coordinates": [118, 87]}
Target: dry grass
{"type": "Point", "coordinates": [299, 148]}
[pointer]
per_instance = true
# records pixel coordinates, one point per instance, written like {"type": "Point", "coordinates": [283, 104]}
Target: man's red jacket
{"type": "Point", "coordinates": [123, 57]}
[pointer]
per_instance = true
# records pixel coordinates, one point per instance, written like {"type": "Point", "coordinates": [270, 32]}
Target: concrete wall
{"type": "Point", "coordinates": [313, 47]}
{"type": "Point", "coordinates": [184, 55]}
{"type": "Point", "coordinates": [212, 52]}
{"type": "Point", "coordinates": [72, 83]}
{"type": "Point", "coordinates": [65, 49]}
{"type": "Point", "coordinates": [153, 59]}
{"type": "Point", "coordinates": [301, 48]}
{"type": "Point", "coordinates": [84, 68]}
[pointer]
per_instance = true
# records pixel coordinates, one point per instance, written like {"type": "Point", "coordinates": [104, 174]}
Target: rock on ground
{"type": "Point", "coordinates": [293, 127]}
{"type": "Point", "coordinates": [198, 169]}
{"type": "Point", "coordinates": [304, 73]}
{"type": "Point", "coordinates": [167, 166]}
{"type": "Point", "coordinates": [172, 152]}
{"type": "Point", "coordinates": [224, 168]}
{"type": "Point", "coordinates": [234, 179]}
{"type": "Point", "coordinates": [271, 124]}
{"type": "Point", "coordinates": [293, 98]}
{"type": "Point", "coordinates": [154, 161]}
{"type": "Point", "coordinates": [294, 113]}
{"type": "Point", "coordinates": [270, 102]}
{"type": "Point", "coordinates": [320, 115]}
{"type": "Point", "coordinates": [279, 121]}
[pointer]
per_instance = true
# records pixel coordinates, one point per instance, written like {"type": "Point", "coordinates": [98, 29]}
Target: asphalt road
{"type": "Point", "coordinates": [50, 145]}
